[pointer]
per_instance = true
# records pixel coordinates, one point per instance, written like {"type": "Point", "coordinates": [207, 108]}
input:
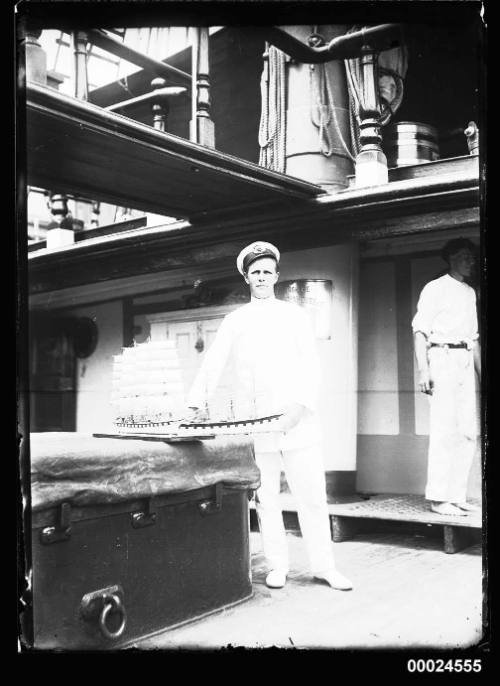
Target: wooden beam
{"type": "Point", "coordinates": [456, 538]}
{"type": "Point", "coordinates": [343, 528]}
{"type": "Point", "coordinates": [80, 148]}
{"type": "Point", "coordinates": [157, 250]}
{"type": "Point", "coordinates": [125, 52]}
{"type": "Point", "coordinates": [419, 206]}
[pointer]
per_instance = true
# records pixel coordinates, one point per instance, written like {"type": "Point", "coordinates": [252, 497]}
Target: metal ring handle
{"type": "Point", "coordinates": [110, 602]}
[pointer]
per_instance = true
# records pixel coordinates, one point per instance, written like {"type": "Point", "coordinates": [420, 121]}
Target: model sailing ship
{"type": "Point", "coordinates": [148, 397]}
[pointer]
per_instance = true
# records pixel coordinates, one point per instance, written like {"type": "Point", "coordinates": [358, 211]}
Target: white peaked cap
{"type": "Point", "coordinates": [253, 252]}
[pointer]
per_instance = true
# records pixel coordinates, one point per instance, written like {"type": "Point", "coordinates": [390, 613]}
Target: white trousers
{"type": "Point", "coordinates": [306, 477]}
{"type": "Point", "coordinates": [453, 424]}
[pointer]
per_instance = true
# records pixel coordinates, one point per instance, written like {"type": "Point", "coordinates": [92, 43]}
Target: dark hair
{"type": "Point", "coordinates": [455, 245]}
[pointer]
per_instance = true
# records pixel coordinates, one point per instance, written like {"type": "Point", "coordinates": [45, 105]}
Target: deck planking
{"type": "Point", "coordinates": [407, 594]}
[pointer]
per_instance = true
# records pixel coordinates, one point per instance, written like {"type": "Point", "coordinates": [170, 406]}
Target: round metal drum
{"type": "Point", "coordinates": [409, 142]}
{"type": "Point", "coordinates": [315, 295]}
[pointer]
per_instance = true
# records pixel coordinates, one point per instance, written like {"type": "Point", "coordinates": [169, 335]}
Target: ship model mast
{"type": "Point", "coordinates": [148, 397]}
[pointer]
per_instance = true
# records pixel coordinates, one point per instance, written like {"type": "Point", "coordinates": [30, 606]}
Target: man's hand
{"type": "Point", "coordinates": [292, 417]}
{"type": "Point", "coordinates": [426, 384]}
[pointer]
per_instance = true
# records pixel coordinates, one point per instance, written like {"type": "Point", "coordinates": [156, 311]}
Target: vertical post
{"type": "Point", "coordinates": [159, 106]}
{"type": "Point", "coordinates": [96, 211]}
{"type": "Point", "coordinates": [193, 128]}
{"type": "Point", "coordinates": [201, 127]}
{"type": "Point", "coordinates": [371, 163]}
{"type": "Point", "coordinates": [472, 135]}
{"type": "Point", "coordinates": [36, 59]}
{"type": "Point", "coordinates": [62, 233]}
{"type": "Point", "coordinates": [58, 204]}
{"type": "Point", "coordinates": [80, 51]}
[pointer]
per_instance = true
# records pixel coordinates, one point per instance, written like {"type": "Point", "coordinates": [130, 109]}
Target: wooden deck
{"type": "Point", "coordinates": [407, 594]}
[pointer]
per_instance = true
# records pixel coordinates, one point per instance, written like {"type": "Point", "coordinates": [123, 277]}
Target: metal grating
{"type": "Point", "coordinates": [407, 508]}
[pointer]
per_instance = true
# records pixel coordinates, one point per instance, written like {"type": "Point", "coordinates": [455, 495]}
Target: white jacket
{"type": "Point", "coordinates": [446, 312]}
{"type": "Point", "coordinates": [271, 347]}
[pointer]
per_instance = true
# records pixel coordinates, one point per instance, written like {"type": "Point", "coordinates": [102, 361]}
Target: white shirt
{"type": "Point", "coordinates": [446, 312]}
{"type": "Point", "coordinates": [272, 349]}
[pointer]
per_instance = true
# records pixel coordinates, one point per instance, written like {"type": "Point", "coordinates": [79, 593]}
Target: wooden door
{"type": "Point", "coordinates": [193, 332]}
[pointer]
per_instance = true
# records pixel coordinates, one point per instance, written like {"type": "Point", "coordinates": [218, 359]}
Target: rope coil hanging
{"type": "Point", "coordinates": [323, 111]}
{"type": "Point", "coordinates": [272, 128]}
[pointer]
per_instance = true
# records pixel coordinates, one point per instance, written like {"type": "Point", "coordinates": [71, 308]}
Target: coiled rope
{"type": "Point", "coordinates": [323, 110]}
{"type": "Point", "coordinates": [272, 127]}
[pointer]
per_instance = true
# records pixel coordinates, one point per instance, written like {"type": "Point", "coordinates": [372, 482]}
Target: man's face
{"type": "Point", "coordinates": [261, 277]}
{"type": "Point", "coordinates": [462, 262]}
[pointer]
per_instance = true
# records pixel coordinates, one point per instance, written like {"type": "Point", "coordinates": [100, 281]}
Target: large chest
{"type": "Point", "coordinates": [131, 537]}
{"type": "Point", "coordinates": [106, 576]}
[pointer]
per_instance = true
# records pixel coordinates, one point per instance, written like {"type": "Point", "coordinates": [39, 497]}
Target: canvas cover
{"type": "Point", "coordinates": [85, 470]}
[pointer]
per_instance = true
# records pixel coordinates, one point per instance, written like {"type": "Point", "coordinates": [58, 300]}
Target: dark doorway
{"type": "Point", "coordinates": [52, 374]}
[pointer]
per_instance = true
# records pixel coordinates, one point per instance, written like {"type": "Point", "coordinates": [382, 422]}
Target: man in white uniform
{"type": "Point", "coordinates": [272, 347]}
{"type": "Point", "coordinates": [447, 352]}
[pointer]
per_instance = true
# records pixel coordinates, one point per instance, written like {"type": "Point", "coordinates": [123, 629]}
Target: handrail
{"type": "Point", "coordinates": [97, 232]}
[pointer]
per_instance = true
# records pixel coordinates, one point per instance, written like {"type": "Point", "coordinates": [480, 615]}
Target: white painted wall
{"type": "Point", "coordinates": [338, 397]}
{"type": "Point", "coordinates": [378, 408]}
{"type": "Point", "coordinates": [93, 409]}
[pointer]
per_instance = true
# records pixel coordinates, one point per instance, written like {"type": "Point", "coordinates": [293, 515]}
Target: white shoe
{"type": "Point", "coordinates": [467, 507]}
{"type": "Point", "coordinates": [446, 509]}
{"type": "Point", "coordinates": [336, 580]}
{"type": "Point", "coordinates": [276, 579]}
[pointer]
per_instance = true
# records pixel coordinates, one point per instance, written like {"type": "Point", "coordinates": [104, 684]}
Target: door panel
{"type": "Point", "coordinates": [193, 339]}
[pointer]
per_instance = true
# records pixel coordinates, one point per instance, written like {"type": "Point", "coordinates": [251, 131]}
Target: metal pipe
{"type": "Point", "coordinates": [102, 40]}
{"type": "Point", "coordinates": [347, 46]}
{"type": "Point", "coordinates": [146, 97]}
{"type": "Point", "coordinates": [376, 37]}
